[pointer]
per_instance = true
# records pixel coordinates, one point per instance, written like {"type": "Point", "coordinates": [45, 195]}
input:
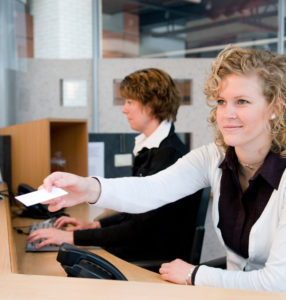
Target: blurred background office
{"type": "Point", "coordinates": [65, 58]}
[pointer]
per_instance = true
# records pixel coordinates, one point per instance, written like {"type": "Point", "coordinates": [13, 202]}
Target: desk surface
{"type": "Point", "coordinates": [51, 284]}
{"type": "Point", "coordinates": [32, 262]}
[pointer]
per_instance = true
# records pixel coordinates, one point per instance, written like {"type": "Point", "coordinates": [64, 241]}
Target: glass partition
{"type": "Point", "coordinates": [189, 28]}
{"type": "Point", "coordinates": [133, 28]}
{"type": "Point", "coordinates": [45, 43]}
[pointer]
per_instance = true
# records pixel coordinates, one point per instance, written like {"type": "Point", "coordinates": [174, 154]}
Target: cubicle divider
{"type": "Point", "coordinates": [115, 153]}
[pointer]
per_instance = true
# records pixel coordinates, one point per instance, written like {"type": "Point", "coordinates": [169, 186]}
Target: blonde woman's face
{"type": "Point", "coordinates": [242, 112]}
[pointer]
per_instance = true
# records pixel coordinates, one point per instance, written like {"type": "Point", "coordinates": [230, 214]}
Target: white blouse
{"type": "Point", "coordinates": [264, 269]}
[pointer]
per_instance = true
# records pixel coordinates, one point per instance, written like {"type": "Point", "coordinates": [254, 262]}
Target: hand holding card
{"type": "Point", "coordinates": [40, 196]}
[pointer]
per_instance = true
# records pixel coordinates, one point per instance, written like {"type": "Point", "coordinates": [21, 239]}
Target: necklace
{"type": "Point", "coordinates": [251, 166]}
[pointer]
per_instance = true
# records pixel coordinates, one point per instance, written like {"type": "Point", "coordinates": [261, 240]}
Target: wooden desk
{"type": "Point", "coordinates": [42, 286]}
{"type": "Point", "coordinates": [45, 263]}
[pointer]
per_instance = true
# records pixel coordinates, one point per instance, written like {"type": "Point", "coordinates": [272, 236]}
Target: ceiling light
{"type": "Point", "coordinates": [194, 1]}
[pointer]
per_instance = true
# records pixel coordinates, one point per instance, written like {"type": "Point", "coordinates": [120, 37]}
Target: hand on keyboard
{"type": "Point", "coordinates": [77, 224]}
{"type": "Point", "coordinates": [44, 237]}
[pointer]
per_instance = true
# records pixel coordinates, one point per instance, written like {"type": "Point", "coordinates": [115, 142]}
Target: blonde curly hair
{"type": "Point", "coordinates": [270, 68]}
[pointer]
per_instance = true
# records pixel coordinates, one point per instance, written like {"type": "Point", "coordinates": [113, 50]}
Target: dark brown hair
{"type": "Point", "coordinates": [154, 88]}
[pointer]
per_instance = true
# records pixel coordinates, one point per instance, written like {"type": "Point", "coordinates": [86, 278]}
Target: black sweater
{"type": "Point", "coordinates": [163, 233]}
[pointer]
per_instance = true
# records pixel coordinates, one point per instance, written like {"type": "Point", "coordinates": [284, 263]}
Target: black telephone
{"type": "Point", "coordinates": [82, 263]}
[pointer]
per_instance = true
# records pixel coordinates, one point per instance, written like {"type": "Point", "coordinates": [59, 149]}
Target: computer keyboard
{"type": "Point", "coordinates": [31, 247]}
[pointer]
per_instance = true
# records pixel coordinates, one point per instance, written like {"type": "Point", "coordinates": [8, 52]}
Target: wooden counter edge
{"type": "Point", "coordinates": [7, 250]}
{"type": "Point", "coordinates": [17, 286]}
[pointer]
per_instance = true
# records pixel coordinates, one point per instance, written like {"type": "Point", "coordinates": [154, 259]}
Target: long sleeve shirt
{"type": "Point", "coordinates": [265, 266]}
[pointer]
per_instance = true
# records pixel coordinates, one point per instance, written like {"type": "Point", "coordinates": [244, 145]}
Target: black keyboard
{"type": "Point", "coordinates": [31, 247]}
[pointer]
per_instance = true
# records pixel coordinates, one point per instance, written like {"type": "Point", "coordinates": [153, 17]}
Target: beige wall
{"type": "Point", "coordinates": [37, 92]}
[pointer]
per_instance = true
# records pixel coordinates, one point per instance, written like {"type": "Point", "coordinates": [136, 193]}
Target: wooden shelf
{"type": "Point", "coordinates": [34, 143]}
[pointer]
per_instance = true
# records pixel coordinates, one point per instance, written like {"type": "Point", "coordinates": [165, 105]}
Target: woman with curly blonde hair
{"type": "Point", "coordinates": [271, 70]}
{"type": "Point", "coordinates": [245, 168]}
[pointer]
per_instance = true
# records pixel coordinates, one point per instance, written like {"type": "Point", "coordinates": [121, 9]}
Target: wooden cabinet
{"type": "Point", "coordinates": [34, 143]}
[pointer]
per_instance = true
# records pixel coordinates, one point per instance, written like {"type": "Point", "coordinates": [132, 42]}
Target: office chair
{"type": "Point", "coordinates": [198, 237]}
{"type": "Point", "coordinates": [195, 256]}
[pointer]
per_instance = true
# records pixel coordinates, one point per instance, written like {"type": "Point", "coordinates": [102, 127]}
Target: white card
{"type": "Point", "coordinates": [40, 196]}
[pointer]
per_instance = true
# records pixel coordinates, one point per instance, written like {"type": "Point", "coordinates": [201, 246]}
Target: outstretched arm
{"type": "Point", "coordinates": [136, 194]}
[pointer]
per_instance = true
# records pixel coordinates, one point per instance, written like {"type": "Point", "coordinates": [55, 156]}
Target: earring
{"type": "Point", "coordinates": [273, 116]}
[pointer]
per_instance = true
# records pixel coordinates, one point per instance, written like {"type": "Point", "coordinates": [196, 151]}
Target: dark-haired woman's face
{"type": "Point", "coordinates": [138, 116]}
